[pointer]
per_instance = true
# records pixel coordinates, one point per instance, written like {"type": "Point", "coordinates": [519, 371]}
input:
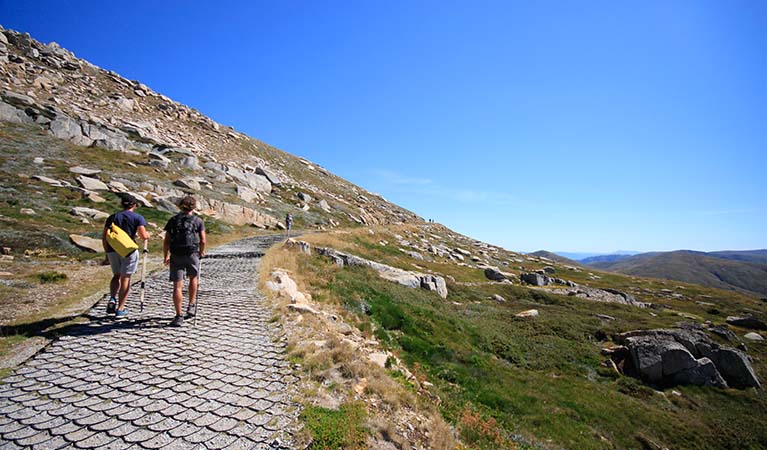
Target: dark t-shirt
{"type": "Point", "coordinates": [128, 220]}
{"type": "Point", "coordinates": [198, 225]}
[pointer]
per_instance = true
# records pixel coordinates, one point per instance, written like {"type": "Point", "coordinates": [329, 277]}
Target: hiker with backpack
{"type": "Point", "coordinates": [182, 249]}
{"type": "Point", "coordinates": [288, 225]}
{"type": "Point", "coordinates": [119, 241]}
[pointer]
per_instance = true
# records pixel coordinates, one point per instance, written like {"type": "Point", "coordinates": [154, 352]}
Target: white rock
{"type": "Point", "coordinates": [379, 358]}
{"type": "Point", "coordinates": [28, 211]}
{"type": "Point", "coordinates": [753, 336]}
{"type": "Point", "coordinates": [92, 184]}
{"type": "Point", "coordinates": [84, 171]}
{"type": "Point", "coordinates": [87, 243]}
{"type": "Point", "coordinates": [528, 313]}
{"type": "Point", "coordinates": [38, 160]}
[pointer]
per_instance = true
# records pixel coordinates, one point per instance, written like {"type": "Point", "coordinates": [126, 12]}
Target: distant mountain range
{"type": "Point", "coordinates": [580, 256]}
{"type": "Point", "coordinates": [744, 271]}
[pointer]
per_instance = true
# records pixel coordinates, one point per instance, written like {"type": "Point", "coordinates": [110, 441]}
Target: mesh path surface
{"type": "Point", "coordinates": [136, 383]}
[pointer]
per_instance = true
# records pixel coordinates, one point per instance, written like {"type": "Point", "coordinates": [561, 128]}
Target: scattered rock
{"type": "Point", "coordinates": [84, 171]}
{"type": "Point", "coordinates": [28, 211]}
{"type": "Point", "coordinates": [492, 273]}
{"type": "Point", "coordinates": [534, 279]}
{"type": "Point", "coordinates": [747, 322]}
{"type": "Point", "coordinates": [753, 336]}
{"type": "Point", "coordinates": [92, 184]}
{"type": "Point", "coordinates": [87, 243]}
{"type": "Point", "coordinates": [38, 160]}
{"type": "Point", "coordinates": [270, 175]}
{"type": "Point", "coordinates": [188, 183]}
{"type": "Point", "coordinates": [528, 313]}
{"type": "Point", "coordinates": [410, 279]}
{"type": "Point", "coordinates": [324, 205]}
{"type": "Point", "coordinates": [379, 358]}
{"type": "Point", "coordinates": [306, 198]}
{"type": "Point", "coordinates": [498, 298]}
{"type": "Point", "coordinates": [88, 213]}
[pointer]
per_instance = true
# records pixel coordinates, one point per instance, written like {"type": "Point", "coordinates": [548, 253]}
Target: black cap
{"type": "Point", "coordinates": [128, 200]}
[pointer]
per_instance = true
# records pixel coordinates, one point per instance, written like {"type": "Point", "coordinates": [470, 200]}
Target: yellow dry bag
{"type": "Point", "coordinates": [120, 242]}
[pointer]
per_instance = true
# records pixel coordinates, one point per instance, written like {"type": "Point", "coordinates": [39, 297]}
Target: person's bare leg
{"type": "Point", "coordinates": [114, 286]}
{"type": "Point", "coordinates": [178, 298]}
{"type": "Point", "coordinates": [124, 289]}
{"type": "Point", "coordinates": [193, 289]}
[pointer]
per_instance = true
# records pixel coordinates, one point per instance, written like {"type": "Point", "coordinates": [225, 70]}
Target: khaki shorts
{"type": "Point", "coordinates": [181, 265]}
{"type": "Point", "coordinates": [123, 266]}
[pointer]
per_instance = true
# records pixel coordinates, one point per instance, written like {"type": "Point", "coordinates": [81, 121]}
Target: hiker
{"type": "Point", "coordinates": [288, 224]}
{"type": "Point", "coordinates": [123, 266]}
{"type": "Point", "coordinates": [182, 249]}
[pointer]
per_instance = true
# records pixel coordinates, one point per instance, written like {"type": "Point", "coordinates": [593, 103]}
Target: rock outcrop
{"type": "Point", "coordinates": [410, 279]}
{"type": "Point", "coordinates": [667, 357]}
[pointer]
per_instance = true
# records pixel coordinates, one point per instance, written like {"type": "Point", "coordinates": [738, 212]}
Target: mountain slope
{"type": "Point", "coordinates": [696, 267]}
{"type": "Point", "coordinates": [554, 257]}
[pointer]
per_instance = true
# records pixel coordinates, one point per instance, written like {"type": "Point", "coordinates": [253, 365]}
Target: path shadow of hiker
{"type": "Point", "coordinates": [50, 329]}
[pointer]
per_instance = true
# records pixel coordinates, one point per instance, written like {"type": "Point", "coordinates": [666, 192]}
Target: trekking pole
{"type": "Point", "coordinates": [143, 271]}
{"type": "Point", "coordinates": [197, 300]}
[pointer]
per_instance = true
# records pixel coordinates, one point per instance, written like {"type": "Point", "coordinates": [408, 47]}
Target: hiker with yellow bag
{"type": "Point", "coordinates": [119, 240]}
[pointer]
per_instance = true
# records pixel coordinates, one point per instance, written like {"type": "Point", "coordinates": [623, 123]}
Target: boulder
{"type": "Point", "coordinates": [667, 357]}
{"type": "Point", "coordinates": [270, 175]}
{"type": "Point", "coordinates": [753, 336]}
{"type": "Point", "coordinates": [188, 183]}
{"type": "Point", "coordinates": [528, 313]}
{"type": "Point", "coordinates": [84, 171]}
{"type": "Point", "coordinates": [87, 243]}
{"type": "Point", "coordinates": [324, 205]}
{"type": "Point", "coordinates": [66, 128]}
{"type": "Point", "coordinates": [747, 322]}
{"type": "Point", "coordinates": [549, 270]}
{"type": "Point", "coordinates": [92, 184]}
{"type": "Point", "coordinates": [190, 162]}
{"type": "Point", "coordinates": [535, 279]}
{"type": "Point", "coordinates": [491, 273]}
{"type": "Point", "coordinates": [247, 194]}
{"type": "Point", "coordinates": [498, 298]}
{"type": "Point", "coordinates": [88, 213]}
{"type": "Point", "coordinates": [9, 113]}
{"type": "Point", "coordinates": [412, 280]}
{"type": "Point", "coordinates": [306, 198]}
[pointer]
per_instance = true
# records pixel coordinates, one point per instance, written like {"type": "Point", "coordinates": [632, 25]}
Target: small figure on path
{"type": "Point", "coordinates": [288, 225]}
{"type": "Point", "coordinates": [182, 249]}
{"type": "Point", "coordinates": [123, 267]}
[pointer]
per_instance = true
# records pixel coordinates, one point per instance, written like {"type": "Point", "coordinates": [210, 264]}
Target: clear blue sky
{"type": "Point", "coordinates": [568, 126]}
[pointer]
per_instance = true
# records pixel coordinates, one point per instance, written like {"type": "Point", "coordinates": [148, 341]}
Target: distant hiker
{"type": "Point", "coordinates": [130, 223]}
{"type": "Point", "coordinates": [288, 224]}
{"type": "Point", "coordinates": [182, 249]}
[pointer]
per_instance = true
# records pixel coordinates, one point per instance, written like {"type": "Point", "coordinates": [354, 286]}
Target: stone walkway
{"type": "Point", "coordinates": [136, 383]}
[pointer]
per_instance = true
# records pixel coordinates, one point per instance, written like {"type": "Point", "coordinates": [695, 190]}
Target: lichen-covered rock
{"type": "Point", "coordinates": [666, 357]}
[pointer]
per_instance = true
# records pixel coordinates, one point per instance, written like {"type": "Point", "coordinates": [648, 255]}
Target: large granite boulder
{"type": "Point", "coordinates": [667, 357]}
{"type": "Point", "coordinates": [535, 279]}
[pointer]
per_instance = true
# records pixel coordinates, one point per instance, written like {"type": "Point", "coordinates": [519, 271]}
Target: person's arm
{"type": "Point", "coordinates": [104, 237]}
{"type": "Point", "coordinates": [142, 233]}
{"type": "Point", "coordinates": [166, 248]}
{"type": "Point", "coordinates": [203, 241]}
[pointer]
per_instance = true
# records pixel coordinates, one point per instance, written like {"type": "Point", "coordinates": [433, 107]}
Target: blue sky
{"type": "Point", "coordinates": [567, 126]}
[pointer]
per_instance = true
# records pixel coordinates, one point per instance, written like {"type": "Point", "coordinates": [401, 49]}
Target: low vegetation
{"type": "Point", "coordinates": [506, 382]}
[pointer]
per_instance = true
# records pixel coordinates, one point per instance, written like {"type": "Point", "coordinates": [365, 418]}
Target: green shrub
{"type": "Point", "coordinates": [335, 429]}
{"type": "Point", "coordinates": [51, 276]}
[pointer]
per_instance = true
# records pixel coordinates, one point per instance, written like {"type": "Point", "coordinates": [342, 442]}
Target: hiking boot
{"type": "Point", "coordinates": [121, 313]}
{"type": "Point", "coordinates": [112, 306]}
{"type": "Point", "coordinates": [176, 322]}
{"type": "Point", "coordinates": [191, 310]}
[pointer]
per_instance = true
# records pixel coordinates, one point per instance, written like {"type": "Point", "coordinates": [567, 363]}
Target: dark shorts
{"type": "Point", "coordinates": [184, 264]}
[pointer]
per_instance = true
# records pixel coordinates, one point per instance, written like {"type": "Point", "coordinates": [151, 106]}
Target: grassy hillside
{"type": "Point", "coordinates": [507, 382]}
{"type": "Point", "coordinates": [727, 270]}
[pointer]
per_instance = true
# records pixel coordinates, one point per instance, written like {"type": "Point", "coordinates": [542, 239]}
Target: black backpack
{"type": "Point", "coordinates": [184, 237]}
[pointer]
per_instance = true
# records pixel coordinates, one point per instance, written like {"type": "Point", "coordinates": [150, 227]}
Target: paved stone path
{"type": "Point", "coordinates": [136, 383]}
